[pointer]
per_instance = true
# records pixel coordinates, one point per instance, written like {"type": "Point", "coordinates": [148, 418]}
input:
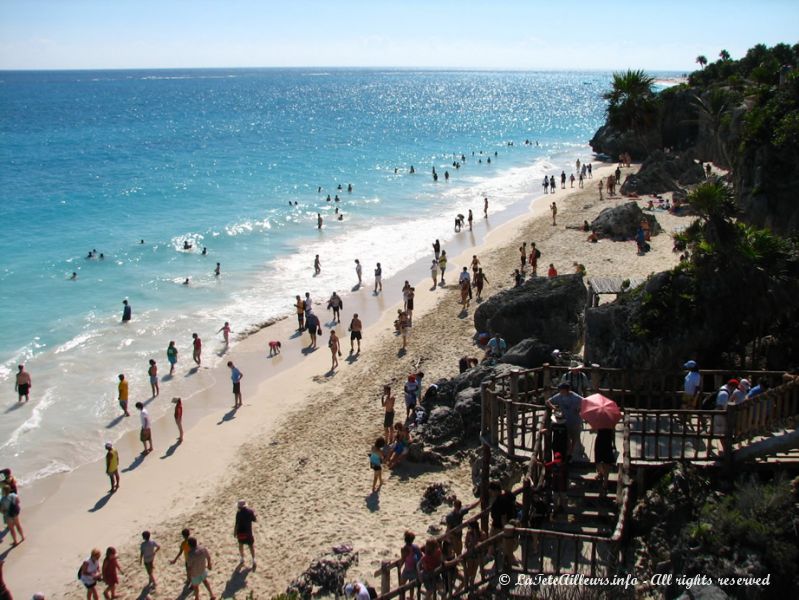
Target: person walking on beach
{"type": "Point", "coordinates": [434, 272]}
{"type": "Point", "coordinates": [600, 185]}
{"type": "Point", "coordinates": [179, 417]}
{"type": "Point", "coordinates": [554, 208]}
{"type": "Point", "coordinates": [317, 266]}
{"type": "Point", "coordinates": [479, 280]}
{"type": "Point", "coordinates": [90, 574]}
{"type": "Point", "coordinates": [242, 531]}
{"type": "Point", "coordinates": [336, 303]}
{"type": "Point", "coordinates": [485, 207]}
{"type": "Point", "coordinates": [359, 272]}
{"type": "Point", "coordinates": [198, 563]}
{"type": "Point", "coordinates": [22, 383]}
{"type": "Point", "coordinates": [112, 466]}
{"type": "Point", "coordinates": [563, 180]}
{"type": "Point", "coordinates": [402, 325]}
{"type": "Point", "coordinates": [475, 264]}
{"type": "Point", "coordinates": [152, 373]}
{"type": "Point", "coordinates": [235, 377]}
{"type": "Point", "coordinates": [551, 184]}
{"type": "Point", "coordinates": [147, 551]}
{"type": "Point", "coordinates": [546, 184]}
{"type": "Point", "coordinates": [387, 400]}
{"type": "Point", "coordinates": [355, 329]}
{"type": "Point", "coordinates": [335, 348]}
{"type": "Point", "coordinates": [122, 394]}
{"type": "Point", "coordinates": [470, 218]}
{"type": "Point", "coordinates": [523, 255]}
{"type": "Point", "coordinates": [198, 348]}
{"type": "Point", "coordinates": [442, 265]}
{"type": "Point", "coordinates": [308, 303]}
{"type": "Point", "coordinates": [225, 331]}
{"type": "Point", "coordinates": [172, 356]}
{"type": "Point", "coordinates": [312, 325]}
{"type": "Point", "coordinates": [145, 435]}
{"type": "Point", "coordinates": [127, 312]}
{"type": "Point", "coordinates": [376, 463]}
{"type": "Point", "coordinates": [183, 550]}
{"type": "Point", "coordinates": [437, 249]}
{"type": "Point", "coordinates": [11, 509]}
{"type": "Point", "coordinates": [378, 278]}
{"type": "Point", "coordinates": [111, 572]}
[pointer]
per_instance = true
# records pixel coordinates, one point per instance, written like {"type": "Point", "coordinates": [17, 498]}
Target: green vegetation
{"type": "Point", "coordinates": [632, 105]}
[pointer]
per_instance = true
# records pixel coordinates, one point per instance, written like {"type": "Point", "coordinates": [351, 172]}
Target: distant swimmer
{"type": "Point", "coordinates": [328, 198]}
{"type": "Point", "coordinates": [205, 250]}
{"type": "Point", "coordinates": [317, 265]}
{"type": "Point", "coordinates": [187, 245]}
{"type": "Point", "coordinates": [102, 256]}
{"type": "Point", "coordinates": [23, 383]}
{"type": "Point", "coordinates": [217, 270]}
{"type": "Point", "coordinates": [341, 217]}
{"type": "Point", "coordinates": [339, 188]}
{"type": "Point", "coordinates": [349, 187]}
{"type": "Point", "coordinates": [90, 254]}
{"type": "Point", "coordinates": [395, 170]}
{"type": "Point", "coordinates": [485, 207]}
{"type": "Point", "coordinates": [127, 311]}
{"type": "Point", "coordinates": [446, 175]}
{"type": "Point", "coordinates": [337, 199]}
{"type": "Point", "coordinates": [186, 281]}
{"type": "Point", "coordinates": [318, 191]}
{"type": "Point", "coordinates": [319, 221]}
{"type": "Point", "coordinates": [141, 241]}
{"type": "Point", "coordinates": [412, 170]}
{"type": "Point", "coordinates": [435, 176]}
{"type": "Point", "coordinates": [74, 276]}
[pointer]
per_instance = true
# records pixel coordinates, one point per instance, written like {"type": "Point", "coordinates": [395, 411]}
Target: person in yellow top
{"type": "Point", "coordinates": [184, 551]}
{"type": "Point", "coordinates": [112, 466]}
{"type": "Point", "coordinates": [123, 394]}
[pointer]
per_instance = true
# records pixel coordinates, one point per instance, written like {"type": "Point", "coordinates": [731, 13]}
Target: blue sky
{"type": "Point", "coordinates": [490, 34]}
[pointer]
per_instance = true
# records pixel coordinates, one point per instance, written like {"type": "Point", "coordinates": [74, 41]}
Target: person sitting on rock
{"type": "Point", "coordinates": [496, 347]}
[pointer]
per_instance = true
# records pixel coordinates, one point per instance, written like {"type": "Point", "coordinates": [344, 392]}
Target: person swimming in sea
{"type": "Point", "coordinates": [74, 276]}
{"type": "Point", "coordinates": [205, 250]}
{"type": "Point", "coordinates": [187, 245]}
{"type": "Point", "coordinates": [186, 282]}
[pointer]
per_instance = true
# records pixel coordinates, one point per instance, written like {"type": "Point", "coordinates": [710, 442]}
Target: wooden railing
{"type": "Point", "coordinates": [775, 408]}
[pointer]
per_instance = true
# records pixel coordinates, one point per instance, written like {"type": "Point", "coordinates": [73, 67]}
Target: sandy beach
{"type": "Point", "coordinates": [297, 450]}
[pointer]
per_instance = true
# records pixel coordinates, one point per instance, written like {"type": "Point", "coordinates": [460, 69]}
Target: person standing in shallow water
{"type": "Point", "coordinates": [152, 372]}
{"type": "Point", "coordinates": [317, 265]}
{"type": "Point", "coordinates": [197, 348]}
{"type": "Point", "coordinates": [172, 357]}
{"type": "Point", "coordinates": [127, 311]}
{"type": "Point", "coordinates": [22, 383]}
{"type": "Point", "coordinates": [378, 278]}
{"type": "Point", "coordinates": [122, 390]}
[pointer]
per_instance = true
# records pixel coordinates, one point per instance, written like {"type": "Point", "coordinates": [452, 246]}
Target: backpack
{"type": "Point", "coordinates": [372, 592]}
{"type": "Point", "coordinates": [80, 572]}
{"type": "Point", "coordinates": [709, 403]}
{"type": "Point", "coordinates": [537, 253]}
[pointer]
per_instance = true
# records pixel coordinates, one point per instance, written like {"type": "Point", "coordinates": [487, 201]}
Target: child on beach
{"type": "Point", "coordinates": [147, 551]}
{"type": "Point", "coordinates": [387, 401]}
{"type": "Point", "coordinates": [410, 554]}
{"type": "Point", "coordinates": [183, 550]}
{"type": "Point", "coordinates": [225, 331]}
{"type": "Point", "coordinates": [274, 347]}
{"type": "Point", "coordinates": [376, 463]}
{"type": "Point", "coordinates": [111, 571]}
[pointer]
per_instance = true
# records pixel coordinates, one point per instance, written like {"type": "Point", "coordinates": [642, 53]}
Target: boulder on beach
{"type": "Point", "coordinates": [661, 173]}
{"type": "Point", "coordinates": [549, 309]}
{"type": "Point", "coordinates": [619, 223]}
{"type": "Point", "coordinates": [528, 354]}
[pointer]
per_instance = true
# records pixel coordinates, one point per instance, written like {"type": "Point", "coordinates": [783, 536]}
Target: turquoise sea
{"type": "Point", "coordinates": [104, 159]}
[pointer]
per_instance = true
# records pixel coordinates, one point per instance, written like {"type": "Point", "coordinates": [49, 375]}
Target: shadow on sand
{"type": "Point", "coordinates": [101, 502]}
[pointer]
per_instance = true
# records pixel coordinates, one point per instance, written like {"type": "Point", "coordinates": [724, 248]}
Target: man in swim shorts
{"type": "Point", "coordinates": [235, 377]}
{"type": "Point", "coordinates": [355, 332]}
{"type": "Point", "coordinates": [198, 562]}
{"type": "Point", "coordinates": [23, 383]}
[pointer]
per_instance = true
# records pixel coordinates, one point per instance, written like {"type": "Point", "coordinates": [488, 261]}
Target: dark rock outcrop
{"type": "Point", "coordinates": [325, 575]}
{"type": "Point", "coordinates": [619, 223]}
{"type": "Point", "coordinates": [501, 468]}
{"type": "Point", "coordinates": [528, 354]}
{"type": "Point", "coordinates": [549, 309]}
{"type": "Point", "coordinates": [434, 496]}
{"type": "Point", "coordinates": [662, 172]}
{"type": "Point", "coordinates": [612, 142]}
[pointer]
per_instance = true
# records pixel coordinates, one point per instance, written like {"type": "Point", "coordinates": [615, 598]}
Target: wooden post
{"type": "Point", "coordinates": [510, 413]}
{"type": "Point", "coordinates": [504, 555]}
{"type": "Point", "coordinates": [485, 473]}
{"type": "Point", "coordinates": [485, 407]}
{"type": "Point", "coordinates": [494, 412]}
{"type": "Point", "coordinates": [527, 501]}
{"type": "Point", "coordinates": [546, 375]}
{"type": "Point", "coordinates": [385, 577]}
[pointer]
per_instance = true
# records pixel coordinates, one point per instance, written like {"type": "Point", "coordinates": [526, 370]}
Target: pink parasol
{"type": "Point", "coordinates": [600, 412]}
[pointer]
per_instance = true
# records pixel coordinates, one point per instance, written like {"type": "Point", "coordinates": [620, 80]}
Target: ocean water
{"type": "Point", "coordinates": [101, 160]}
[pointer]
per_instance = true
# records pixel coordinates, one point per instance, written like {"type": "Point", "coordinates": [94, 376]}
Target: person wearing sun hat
{"type": "Point", "coordinates": [692, 386]}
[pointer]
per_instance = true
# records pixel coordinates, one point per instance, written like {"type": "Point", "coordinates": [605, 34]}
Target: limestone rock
{"type": "Point", "coordinates": [549, 309]}
{"type": "Point", "coordinates": [619, 223]}
{"type": "Point", "coordinates": [529, 353]}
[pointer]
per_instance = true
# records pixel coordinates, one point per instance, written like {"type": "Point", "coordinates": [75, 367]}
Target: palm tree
{"type": "Point", "coordinates": [713, 111]}
{"type": "Point", "coordinates": [631, 100]}
{"type": "Point", "coordinates": [724, 55]}
{"type": "Point", "coordinates": [701, 60]}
